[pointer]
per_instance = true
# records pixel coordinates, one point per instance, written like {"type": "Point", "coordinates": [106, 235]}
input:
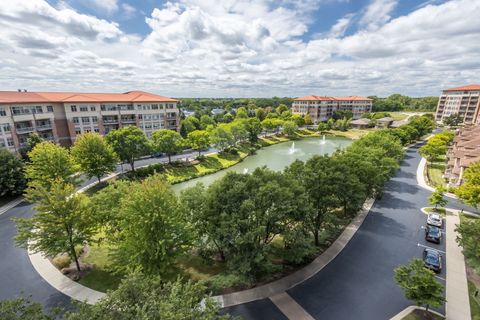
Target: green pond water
{"type": "Point", "coordinates": [275, 157]}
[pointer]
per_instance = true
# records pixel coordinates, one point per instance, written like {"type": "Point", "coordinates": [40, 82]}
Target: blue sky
{"type": "Point", "coordinates": [238, 48]}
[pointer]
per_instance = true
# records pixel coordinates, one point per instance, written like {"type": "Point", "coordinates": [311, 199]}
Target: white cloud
{"type": "Point", "coordinates": [105, 6]}
{"type": "Point", "coordinates": [240, 48]}
{"type": "Point", "coordinates": [128, 10]}
{"type": "Point", "coordinates": [377, 13]}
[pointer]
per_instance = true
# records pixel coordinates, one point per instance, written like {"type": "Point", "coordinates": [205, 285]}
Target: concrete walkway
{"type": "Point", "coordinates": [10, 205]}
{"type": "Point", "coordinates": [279, 286]}
{"type": "Point", "coordinates": [458, 304]}
{"type": "Point", "coordinates": [423, 183]}
{"type": "Point", "coordinates": [410, 309]}
{"type": "Point", "coordinates": [289, 307]}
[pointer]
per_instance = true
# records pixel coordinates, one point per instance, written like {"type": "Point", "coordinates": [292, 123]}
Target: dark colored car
{"type": "Point", "coordinates": [432, 260]}
{"type": "Point", "coordinates": [433, 234]}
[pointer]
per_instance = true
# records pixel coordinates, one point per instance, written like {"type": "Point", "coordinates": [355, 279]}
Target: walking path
{"type": "Point", "coordinates": [423, 183]}
{"type": "Point", "coordinates": [289, 307]}
{"type": "Point", "coordinates": [458, 305]}
{"type": "Point", "coordinates": [10, 205]}
{"type": "Point", "coordinates": [279, 286]}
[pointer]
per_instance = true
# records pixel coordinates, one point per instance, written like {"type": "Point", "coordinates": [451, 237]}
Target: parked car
{"type": "Point", "coordinates": [435, 220]}
{"type": "Point", "coordinates": [432, 260]}
{"type": "Point", "coordinates": [433, 234]}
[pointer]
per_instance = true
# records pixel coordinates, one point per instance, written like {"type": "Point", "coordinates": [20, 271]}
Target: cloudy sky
{"type": "Point", "coordinates": [240, 48]}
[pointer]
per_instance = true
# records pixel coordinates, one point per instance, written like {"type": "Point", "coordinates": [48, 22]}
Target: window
{"type": "Point", "coordinates": [6, 127]}
{"type": "Point", "coordinates": [2, 144]}
{"type": "Point", "coordinates": [75, 120]}
{"type": "Point", "coordinates": [154, 106]}
{"type": "Point", "coordinates": [10, 142]}
{"type": "Point", "coordinates": [94, 119]}
{"type": "Point", "coordinates": [85, 120]}
{"type": "Point", "coordinates": [102, 107]}
{"type": "Point", "coordinates": [49, 109]}
{"type": "Point", "coordinates": [83, 108]}
{"type": "Point", "coordinates": [3, 113]}
{"type": "Point", "coordinates": [92, 108]}
{"type": "Point", "coordinates": [95, 129]}
{"type": "Point", "coordinates": [37, 109]}
{"type": "Point", "coordinates": [78, 131]}
{"type": "Point", "coordinates": [73, 108]}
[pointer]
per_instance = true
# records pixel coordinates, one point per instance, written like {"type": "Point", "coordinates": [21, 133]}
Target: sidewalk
{"type": "Point", "coordinates": [281, 285]}
{"type": "Point", "coordinates": [10, 205]}
{"type": "Point", "coordinates": [423, 183]}
{"type": "Point", "coordinates": [458, 304]}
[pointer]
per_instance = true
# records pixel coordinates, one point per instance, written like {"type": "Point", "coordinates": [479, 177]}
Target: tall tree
{"type": "Point", "coordinates": [140, 296]}
{"type": "Point", "coordinates": [419, 284]}
{"type": "Point", "coordinates": [469, 191]}
{"type": "Point", "coordinates": [12, 174]}
{"type": "Point", "coordinates": [289, 128]}
{"type": "Point", "coordinates": [205, 121]}
{"type": "Point", "coordinates": [221, 136]}
{"type": "Point", "coordinates": [152, 229]}
{"type": "Point", "coordinates": [94, 156]}
{"type": "Point", "coordinates": [22, 309]}
{"type": "Point", "coordinates": [62, 221]}
{"type": "Point", "coordinates": [32, 140]}
{"type": "Point", "coordinates": [129, 143]}
{"type": "Point", "coordinates": [199, 140]}
{"type": "Point", "coordinates": [167, 141]}
{"type": "Point", "coordinates": [437, 199]}
{"type": "Point", "coordinates": [49, 162]}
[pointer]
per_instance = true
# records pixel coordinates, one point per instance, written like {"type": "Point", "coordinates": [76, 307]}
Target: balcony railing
{"type": "Point", "coordinates": [25, 129]}
{"type": "Point", "coordinates": [44, 127]}
{"type": "Point", "coordinates": [110, 120]}
{"type": "Point", "coordinates": [129, 120]}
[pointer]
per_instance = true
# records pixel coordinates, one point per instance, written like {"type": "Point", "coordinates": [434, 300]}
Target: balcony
{"type": "Point", "coordinates": [24, 129]}
{"type": "Point", "coordinates": [44, 127]}
{"type": "Point", "coordinates": [110, 121]}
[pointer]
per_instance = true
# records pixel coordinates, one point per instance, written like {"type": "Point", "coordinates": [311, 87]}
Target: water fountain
{"type": "Point", "coordinates": [292, 148]}
{"type": "Point", "coordinates": [323, 140]}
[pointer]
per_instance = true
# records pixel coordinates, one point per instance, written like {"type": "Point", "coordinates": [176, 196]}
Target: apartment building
{"type": "Point", "coordinates": [463, 101]}
{"type": "Point", "coordinates": [464, 151]}
{"type": "Point", "coordinates": [321, 108]}
{"type": "Point", "coordinates": [61, 116]}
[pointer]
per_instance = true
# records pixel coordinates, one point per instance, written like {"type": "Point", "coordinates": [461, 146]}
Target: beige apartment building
{"type": "Point", "coordinates": [61, 116]}
{"type": "Point", "coordinates": [464, 151]}
{"type": "Point", "coordinates": [463, 101]}
{"type": "Point", "coordinates": [321, 108]}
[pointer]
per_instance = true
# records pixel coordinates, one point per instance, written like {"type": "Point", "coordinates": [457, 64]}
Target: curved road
{"type": "Point", "coordinates": [357, 284]}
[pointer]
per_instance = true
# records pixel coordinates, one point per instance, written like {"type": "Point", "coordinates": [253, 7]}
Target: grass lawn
{"type": "Point", "coordinates": [271, 140]}
{"type": "Point", "coordinates": [397, 116]}
{"type": "Point", "coordinates": [438, 210]}
{"type": "Point", "coordinates": [435, 170]}
{"type": "Point", "coordinates": [474, 301]}
{"type": "Point", "coordinates": [418, 315]}
{"type": "Point", "coordinates": [353, 134]}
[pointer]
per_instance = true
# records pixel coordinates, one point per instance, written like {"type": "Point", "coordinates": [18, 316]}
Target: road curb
{"type": "Point", "coordinates": [409, 309]}
{"type": "Point", "coordinates": [11, 205]}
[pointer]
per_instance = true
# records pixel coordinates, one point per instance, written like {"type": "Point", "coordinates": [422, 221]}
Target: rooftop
{"type": "Point", "coordinates": [61, 97]}
{"type": "Point", "coordinates": [468, 87]}
{"type": "Point", "coordinates": [326, 98]}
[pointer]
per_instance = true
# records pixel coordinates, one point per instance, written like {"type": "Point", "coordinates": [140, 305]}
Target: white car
{"type": "Point", "coordinates": [435, 219]}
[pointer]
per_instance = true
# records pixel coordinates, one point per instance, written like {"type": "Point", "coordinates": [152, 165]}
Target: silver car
{"type": "Point", "coordinates": [435, 220]}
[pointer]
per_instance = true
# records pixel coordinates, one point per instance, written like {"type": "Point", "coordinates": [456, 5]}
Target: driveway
{"type": "Point", "coordinates": [358, 283]}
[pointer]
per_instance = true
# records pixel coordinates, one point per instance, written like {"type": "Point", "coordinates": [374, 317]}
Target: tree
{"type": "Point", "coordinates": [205, 121]}
{"type": "Point", "coordinates": [242, 113]}
{"type": "Point", "coordinates": [94, 156]}
{"type": "Point", "coordinates": [289, 128]}
{"type": "Point", "coordinates": [340, 114]}
{"type": "Point", "coordinates": [308, 119]}
{"type": "Point", "coordinates": [152, 231]}
{"type": "Point", "coordinates": [469, 238]}
{"type": "Point", "coordinates": [129, 143]}
{"type": "Point", "coordinates": [62, 221]}
{"type": "Point", "coordinates": [453, 120]}
{"type": "Point", "coordinates": [254, 128]}
{"type": "Point", "coordinates": [469, 191]}
{"type": "Point", "coordinates": [298, 119]}
{"type": "Point", "coordinates": [281, 108]}
{"type": "Point", "coordinates": [12, 175]}
{"type": "Point", "coordinates": [32, 140]}
{"type": "Point", "coordinates": [167, 141]}
{"type": "Point", "coordinates": [222, 137]}
{"type": "Point", "coordinates": [49, 162]}
{"type": "Point", "coordinates": [260, 114]}
{"type": "Point", "coordinates": [22, 309]}
{"type": "Point", "coordinates": [437, 199]}
{"type": "Point", "coordinates": [419, 284]}
{"type": "Point", "coordinates": [140, 296]}
{"type": "Point", "coordinates": [199, 140]}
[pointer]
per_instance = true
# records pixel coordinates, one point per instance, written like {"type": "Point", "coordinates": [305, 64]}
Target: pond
{"type": "Point", "coordinates": [275, 157]}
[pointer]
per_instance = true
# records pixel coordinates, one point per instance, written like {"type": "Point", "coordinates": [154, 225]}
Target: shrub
{"type": "Point", "coordinates": [144, 172]}
{"type": "Point", "coordinates": [62, 261]}
{"type": "Point", "coordinates": [201, 157]}
{"type": "Point", "coordinates": [231, 150]}
{"type": "Point", "coordinates": [222, 281]}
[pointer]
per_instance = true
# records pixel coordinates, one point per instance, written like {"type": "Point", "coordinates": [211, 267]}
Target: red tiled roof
{"type": "Point", "coordinates": [465, 88]}
{"type": "Point", "coordinates": [325, 98]}
{"type": "Point", "coordinates": [59, 97]}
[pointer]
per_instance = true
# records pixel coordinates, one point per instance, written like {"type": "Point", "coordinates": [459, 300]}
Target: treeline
{"type": "Point", "coordinates": [398, 102]}
{"type": "Point", "coordinates": [200, 104]}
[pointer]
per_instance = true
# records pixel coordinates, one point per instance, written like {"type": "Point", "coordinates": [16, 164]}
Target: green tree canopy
{"type": "Point", "coordinates": [167, 141]}
{"type": "Point", "coordinates": [12, 174]}
{"type": "Point", "coordinates": [205, 121]}
{"type": "Point", "coordinates": [221, 136]}
{"type": "Point", "coordinates": [419, 284]}
{"type": "Point", "coordinates": [94, 155]}
{"type": "Point", "coordinates": [199, 140]}
{"type": "Point", "coordinates": [62, 221]}
{"type": "Point", "coordinates": [289, 128]}
{"type": "Point", "coordinates": [437, 199]}
{"type": "Point", "coordinates": [129, 143]}
{"type": "Point", "coordinates": [469, 191]}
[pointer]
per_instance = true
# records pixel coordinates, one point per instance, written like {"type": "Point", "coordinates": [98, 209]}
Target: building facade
{"type": "Point", "coordinates": [463, 101]}
{"type": "Point", "coordinates": [322, 108]}
{"type": "Point", "coordinates": [61, 116]}
{"type": "Point", "coordinates": [464, 151]}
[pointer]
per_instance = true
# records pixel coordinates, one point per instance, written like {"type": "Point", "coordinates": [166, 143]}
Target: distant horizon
{"type": "Point", "coordinates": [240, 48]}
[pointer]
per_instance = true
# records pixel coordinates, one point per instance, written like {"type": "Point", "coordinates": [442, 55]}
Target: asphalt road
{"type": "Point", "coordinates": [357, 284]}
